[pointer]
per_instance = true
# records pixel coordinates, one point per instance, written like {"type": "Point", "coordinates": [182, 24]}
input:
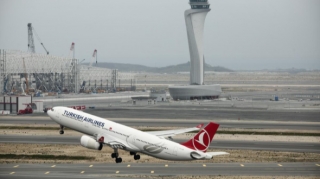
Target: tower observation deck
{"type": "Point", "coordinates": [199, 4]}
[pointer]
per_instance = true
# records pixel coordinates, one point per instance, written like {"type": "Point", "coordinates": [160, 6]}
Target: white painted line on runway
{"type": "Point", "coordinates": [82, 172]}
{"type": "Point", "coordinates": [117, 172]}
{"type": "Point", "coordinates": [91, 166]}
{"type": "Point", "coordinates": [16, 166]}
{"type": "Point", "coordinates": [53, 166]}
{"type": "Point", "coordinates": [241, 165]}
{"type": "Point", "coordinates": [152, 171]}
{"type": "Point", "coordinates": [47, 172]}
{"type": "Point", "coordinates": [318, 165]}
{"type": "Point", "coordinates": [166, 165]}
{"type": "Point", "coordinates": [129, 166]}
{"type": "Point", "coordinates": [204, 165]}
{"type": "Point", "coordinates": [12, 173]}
{"type": "Point", "coordinates": [279, 165]}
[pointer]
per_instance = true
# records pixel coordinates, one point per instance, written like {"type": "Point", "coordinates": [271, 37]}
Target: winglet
{"type": "Point", "coordinates": [199, 126]}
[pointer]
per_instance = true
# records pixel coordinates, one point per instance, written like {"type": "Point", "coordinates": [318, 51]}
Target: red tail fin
{"type": "Point", "coordinates": [202, 140]}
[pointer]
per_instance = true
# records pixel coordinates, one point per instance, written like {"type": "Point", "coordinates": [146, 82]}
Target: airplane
{"type": "Point", "coordinates": [158, 144]}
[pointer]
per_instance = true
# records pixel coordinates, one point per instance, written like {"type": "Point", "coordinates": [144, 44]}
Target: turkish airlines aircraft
{"type": "Point", "coordinates": [101, 132]}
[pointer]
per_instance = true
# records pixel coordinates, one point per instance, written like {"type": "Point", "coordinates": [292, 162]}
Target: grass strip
{"type": "Point", "coordinates": [44, 157]}
{"type": "Point", "coordinates": [218, 132]}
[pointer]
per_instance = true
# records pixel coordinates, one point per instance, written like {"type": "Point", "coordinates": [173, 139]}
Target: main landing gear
{"type": "Point", "coordinates": [115, 155]}
{"type": "Point", "coordinates": [61, 129]}
{"type": "Point", "coordinates": [135, 155]}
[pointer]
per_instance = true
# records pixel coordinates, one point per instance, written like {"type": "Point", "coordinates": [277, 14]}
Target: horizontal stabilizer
{"type": "Point", "coordinates": [217, 153]}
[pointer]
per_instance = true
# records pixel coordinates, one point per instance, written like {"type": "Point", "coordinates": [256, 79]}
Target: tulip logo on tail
{"type": "Point", "coordinates": [201, 142]}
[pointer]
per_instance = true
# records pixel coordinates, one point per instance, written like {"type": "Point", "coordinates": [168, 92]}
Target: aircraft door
{"type": "Point", "coordinates": [131, 140]}
{"type": "Point", "coordinates": [56, 113]}
{"type": "Point", "coordinates": [175, 151]}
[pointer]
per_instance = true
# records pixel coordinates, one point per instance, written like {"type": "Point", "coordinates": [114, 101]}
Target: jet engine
{"type": "Point", "coordinates": [90, 143]}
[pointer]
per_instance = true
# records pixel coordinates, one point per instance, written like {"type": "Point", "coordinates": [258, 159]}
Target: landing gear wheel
{"type": "Point", "coordinates": [118, 160]}
{"type": "Point", "coordinates": [61, 129]}
{"type": "Point", "coordinates": [133, 153]}
{"type": "Point", "coordinates": [114, 155]}
{"type": "Point", "coordinates": [136, 157]}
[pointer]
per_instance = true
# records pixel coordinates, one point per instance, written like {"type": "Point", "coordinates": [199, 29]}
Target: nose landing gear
{"type": "Point", "coordinates": [61, 129]}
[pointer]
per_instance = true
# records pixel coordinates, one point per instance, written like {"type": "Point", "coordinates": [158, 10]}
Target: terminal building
{"type": "Point", "coordinates": [195, 18]}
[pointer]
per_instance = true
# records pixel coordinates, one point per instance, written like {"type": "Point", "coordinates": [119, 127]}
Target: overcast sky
{"type": "Point", "coordinates": [239, 34]}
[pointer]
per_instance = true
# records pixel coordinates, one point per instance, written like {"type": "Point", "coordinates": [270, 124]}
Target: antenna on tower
{"type": "Point", "coordinates": [31, 47]}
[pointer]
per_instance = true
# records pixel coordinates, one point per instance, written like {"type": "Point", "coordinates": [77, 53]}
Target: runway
{"type": "Point", "coordinates": [36, 119]}
{"type": "Point", "coordinates": [215, 144]}
{"type": "Point", "coordinates": [126, 170]}
{"type": "Point", "coordinates": [205, 113]}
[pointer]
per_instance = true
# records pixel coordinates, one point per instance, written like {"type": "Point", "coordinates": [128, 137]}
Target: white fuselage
{"type": "Point", "coordinates": [130, 139]}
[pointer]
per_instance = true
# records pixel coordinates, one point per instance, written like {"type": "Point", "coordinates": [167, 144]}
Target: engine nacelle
{"type": "Point", "coordinates": [90, 143]}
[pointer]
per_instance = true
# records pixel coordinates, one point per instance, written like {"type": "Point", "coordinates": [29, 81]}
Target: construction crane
{"type": "Point", "coordinates": [26, 76]}
{"type": "Point", "coordinates": [94, 55]}
{"type": "Point", "coordinates": [31, 47]}
{"type": "Point", "coordinates": [71, 49]}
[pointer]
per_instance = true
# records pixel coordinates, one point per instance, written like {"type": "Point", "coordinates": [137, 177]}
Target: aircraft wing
{"type": "Point", "coordinates": [170, 133]}
{"type": "Point", "coordinates": [111, 141]}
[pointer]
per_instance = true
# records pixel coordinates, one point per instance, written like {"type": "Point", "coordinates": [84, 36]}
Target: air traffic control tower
{"type": "Point", "coordinates": [195, 18]}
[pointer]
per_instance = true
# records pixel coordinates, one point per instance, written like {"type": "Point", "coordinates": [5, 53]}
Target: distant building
{"type": "Point", "coordinates": [159, 95]}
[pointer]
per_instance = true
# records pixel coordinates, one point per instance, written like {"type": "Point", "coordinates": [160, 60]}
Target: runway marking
{"type": "Point", "coordinates": [117, 172]}
{"type": "Point", "coordinates": [204, 165]}
{"type": "Point", "coordinates": [152, 171]}
{"type": "Point", "coordinates": [82, 172]}
{"type": "Point", "coordinates": [318, 165]}
{"type": "Point", "coordinates": [241, 165]}
{"type": "Point", "coordinates": [16, 166]}
{"type": "Point", "coordinates": [91, 166]}
{"type": "Point", "coordinates": [128, 165]}
{"type": "Point", "coordinates": [12, 173]}
{"type": "Point", "coordinates": [279, 165]}
{"type": "Point", "coordinates": [53, 166]}
{"type": "Point", "coordinates": [166, 165]}
{"type": "Point", "coordinates": [47, 172]}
